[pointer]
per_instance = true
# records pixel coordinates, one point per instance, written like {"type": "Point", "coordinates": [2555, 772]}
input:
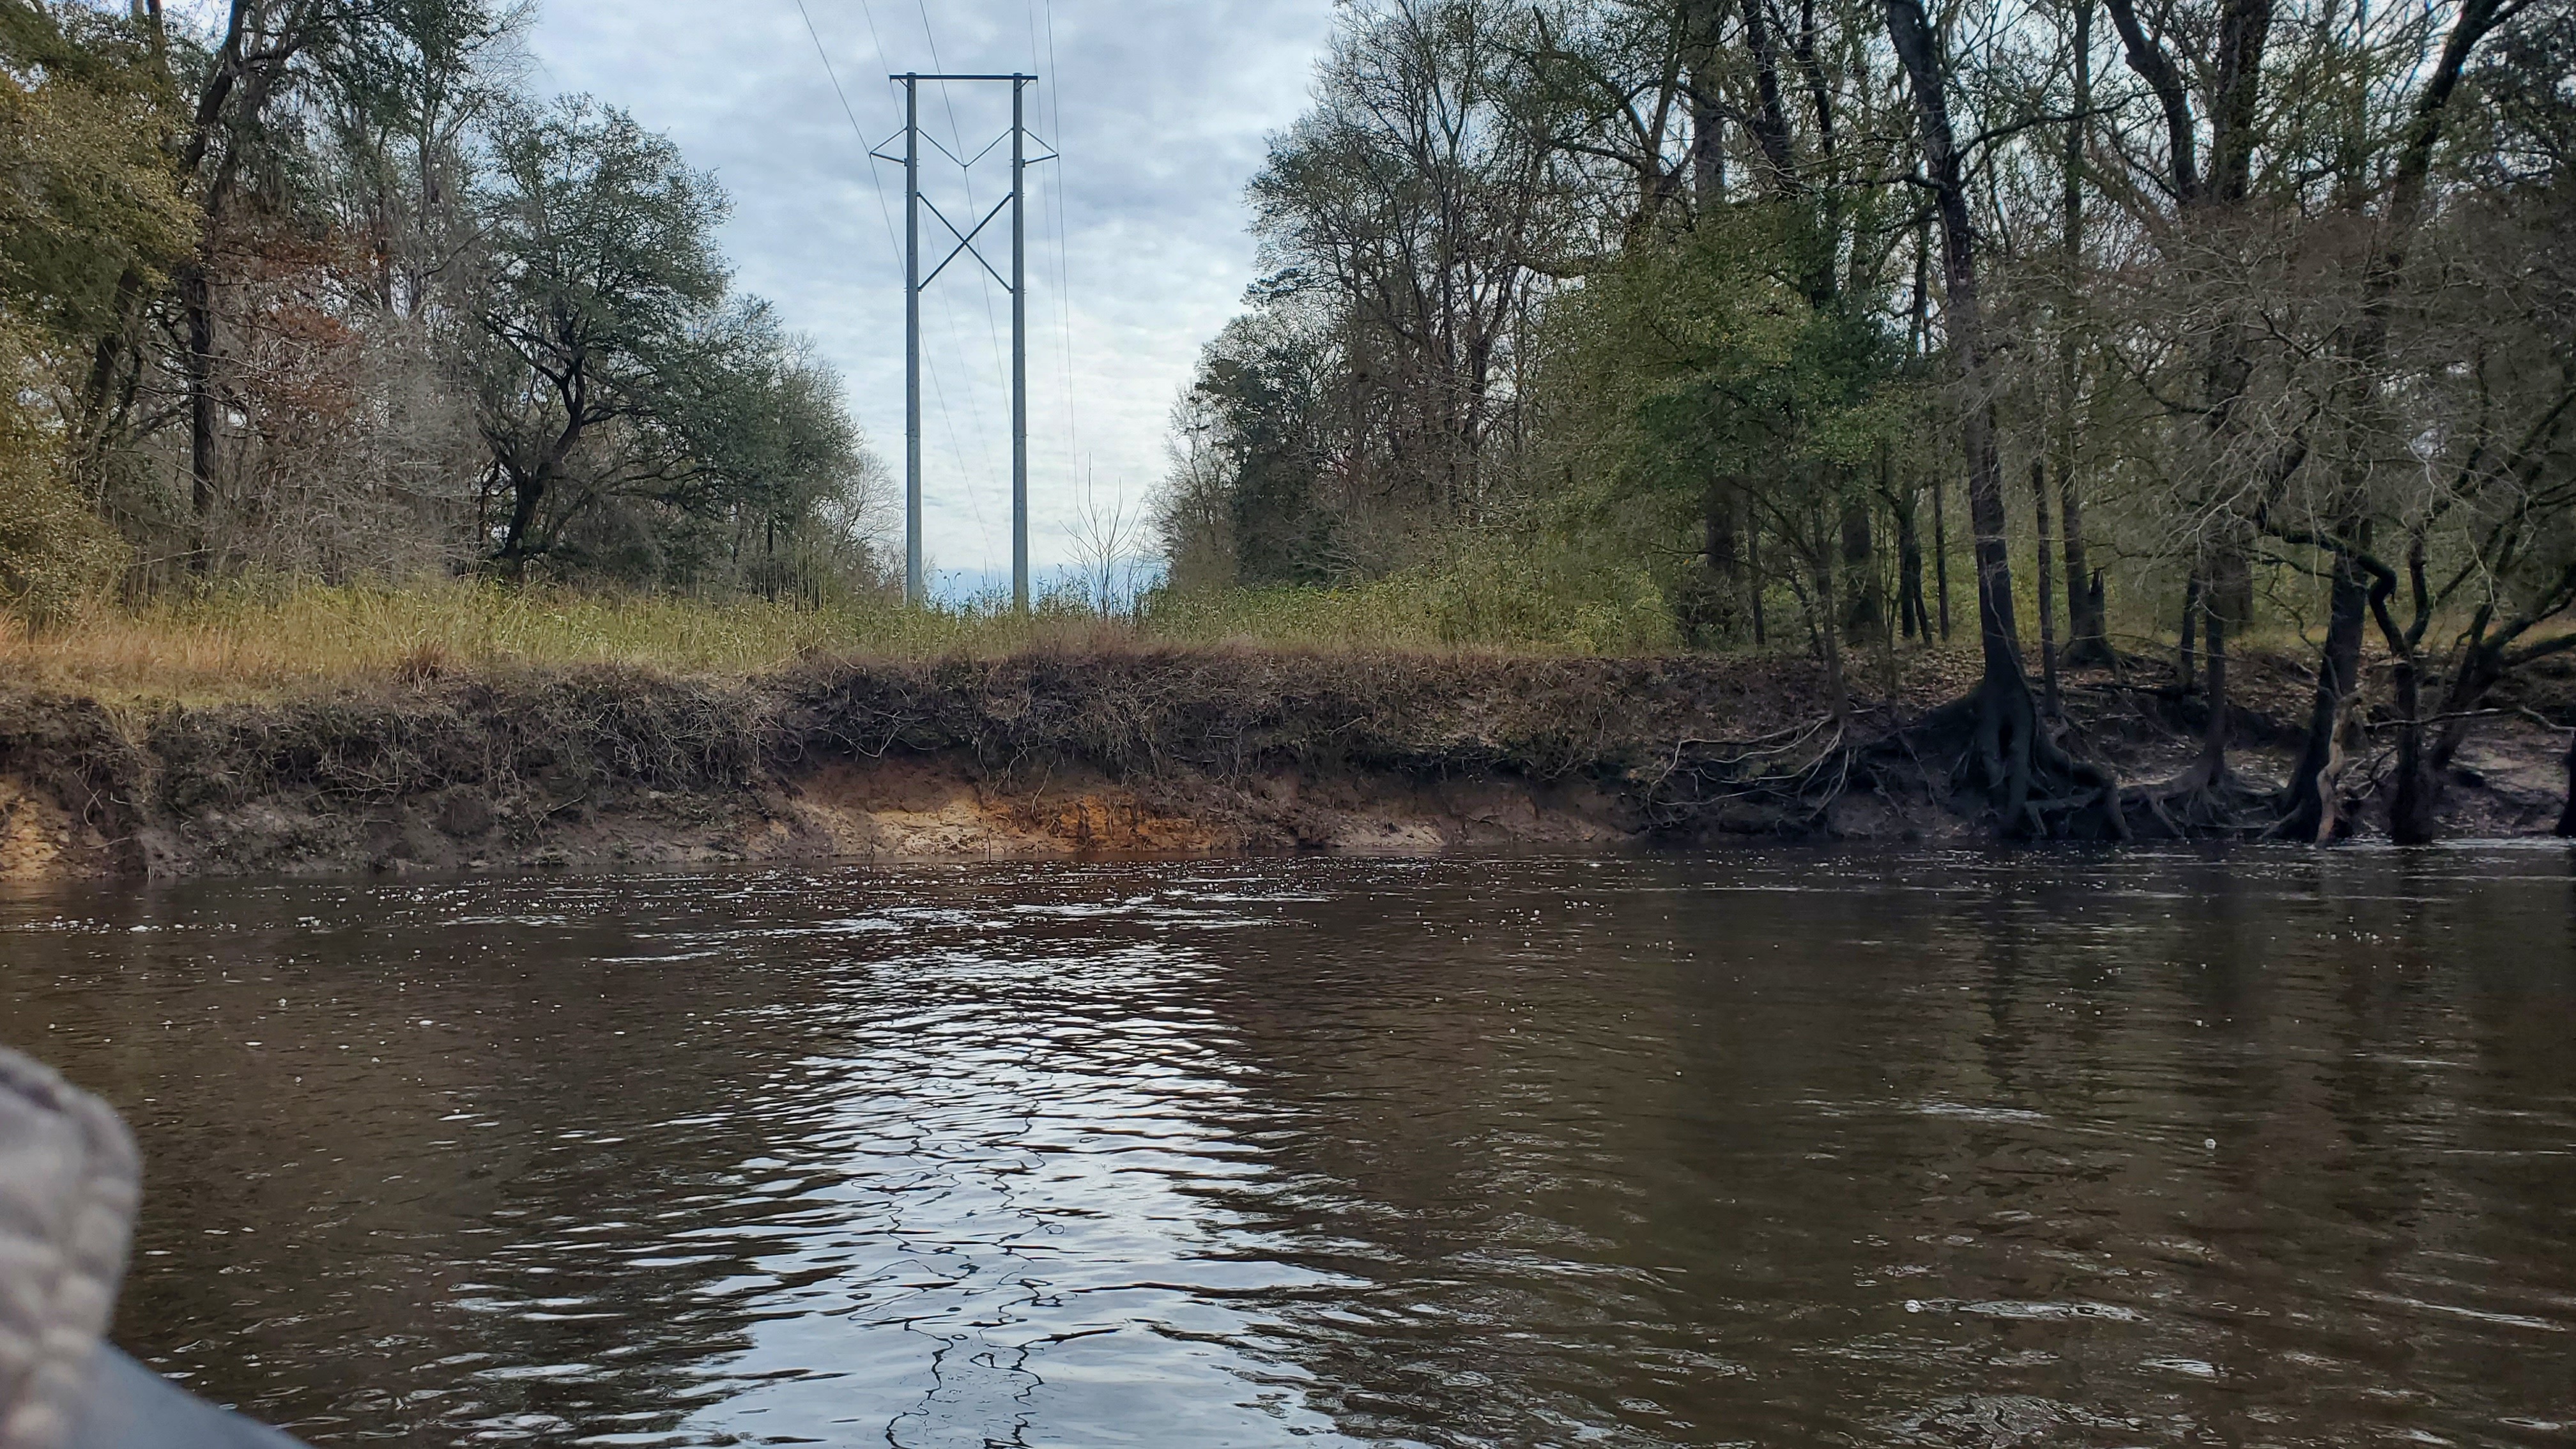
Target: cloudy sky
{"type": "Point", "coordinates": [1137, 252]}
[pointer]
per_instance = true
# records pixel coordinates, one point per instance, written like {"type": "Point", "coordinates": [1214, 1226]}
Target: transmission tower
{"type": "Point", "coordinates": [1016, 284]}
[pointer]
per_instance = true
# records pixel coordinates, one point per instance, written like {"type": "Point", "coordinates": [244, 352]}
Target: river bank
{"type": "Point", "coordinates": [1057, 753]}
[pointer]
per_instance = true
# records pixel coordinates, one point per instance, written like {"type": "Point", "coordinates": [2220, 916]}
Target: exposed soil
{"type": "Point", "coordinates": [1171, 750]}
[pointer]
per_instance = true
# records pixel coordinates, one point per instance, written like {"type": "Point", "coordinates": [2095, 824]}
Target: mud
{"type": "Point", "coordinates": [1146, 751]}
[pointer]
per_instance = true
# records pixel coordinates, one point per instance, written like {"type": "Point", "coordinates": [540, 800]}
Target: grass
{"type": "Point", "coordinates": [253, 640]}
{"type": "Point", "coordinates": [247, 642]}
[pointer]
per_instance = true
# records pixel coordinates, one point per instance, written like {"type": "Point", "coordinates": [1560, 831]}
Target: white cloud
{"type": "Point", "coordinates": [1159, 107]}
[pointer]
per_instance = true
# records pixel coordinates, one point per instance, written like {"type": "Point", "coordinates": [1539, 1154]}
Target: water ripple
{"type": "Point", "coordinates": [1936, 1148]}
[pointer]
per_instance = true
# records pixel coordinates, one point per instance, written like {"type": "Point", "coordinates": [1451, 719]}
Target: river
{"type": "Point", "coordinates": [1767, 1148]}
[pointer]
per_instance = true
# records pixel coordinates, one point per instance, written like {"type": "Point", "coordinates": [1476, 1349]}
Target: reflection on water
{"type": "Point", "coordinates": [1778, 1150]}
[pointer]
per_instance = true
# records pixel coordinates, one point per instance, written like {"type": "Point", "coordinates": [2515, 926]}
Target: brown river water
{"type": "Point", "coordinates": [1762, 1148]}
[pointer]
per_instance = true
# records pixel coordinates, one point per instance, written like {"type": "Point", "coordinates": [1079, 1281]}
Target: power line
{"type": "Point", "coordinates": [1063, 247]}
{"type": "Point", "coordinates": [1017, 286]}
{"type": "Point", "coordinates": [938, 390]}
{"type": "Point", "coordinates": [948, 303]}
{"type": "Point", "coordinates": [884, 212]}
{"type": "Point", "coordinates": [965, 170]}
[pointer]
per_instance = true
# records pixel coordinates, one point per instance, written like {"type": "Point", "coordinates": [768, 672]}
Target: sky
{"type": "Point", "coordinates": [1137, 250]}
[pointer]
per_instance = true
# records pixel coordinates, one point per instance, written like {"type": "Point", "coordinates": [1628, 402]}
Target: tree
{"type": "Point", "coordinates": [1707, 359]}
{"type": "Point", "coordinates": [628, 399]}
{"type": "Point", "coordinates": [2014, 754]}
{"type": "Point", "coordinates": [1281, 435]}
{"type": "Point", "coordinates": [90, 210]}
{"type": "Point", "coordinates": [1420, 199]}
{"type": "Point", "coordinates": [302, 285]}
{"type": "Point", "coordinates": [603, 298]}
{"type": "Point", "coordinates": [2462, 419]}
{"type": "Point", "coordinates": [2255, 294]}
{"type": "Point", "coordinates": [87, 196]}
{"type": "Point", "coordinates": [222, 144]}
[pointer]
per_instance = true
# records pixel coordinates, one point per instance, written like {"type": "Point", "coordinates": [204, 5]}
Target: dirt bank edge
{"type": "Point", "coordinates": [1048, 754]}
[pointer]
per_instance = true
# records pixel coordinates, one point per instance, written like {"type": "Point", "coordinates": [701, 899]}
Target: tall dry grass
{"type": "Point", "coordinates": [255, 640]}
{"type": "Point", "coordinates": [246, 641]}
{"type": "Point", "coordinates": [252, 640]}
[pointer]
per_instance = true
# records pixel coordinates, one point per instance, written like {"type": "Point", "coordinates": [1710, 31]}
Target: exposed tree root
{"type": "Point", "coordinates": [1780, 783]}
{"type": "Point", "coordinates": [2041, 792]}
{"type": "Point", "coordinates": [2326, 808]}
{"type": "Point", "coordinates": [1992, 739]}
{"type": "Point", "coordinates": [2204, 803]}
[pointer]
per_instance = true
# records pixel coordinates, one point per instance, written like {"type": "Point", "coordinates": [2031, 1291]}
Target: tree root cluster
{"type": "Point", "coordinates": [1988, 755]}
{"type": "Point", "coordinates": [2203, 803]}
{"type": "Point", "coordinates": [2041, 790]}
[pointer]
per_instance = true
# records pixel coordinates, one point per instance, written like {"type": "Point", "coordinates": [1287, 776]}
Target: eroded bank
{"type": "Point", "coordinates": [1179, 750]}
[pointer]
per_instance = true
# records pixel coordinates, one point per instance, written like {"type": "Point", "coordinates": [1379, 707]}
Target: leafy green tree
{"type": "Point", "coordinates": [1269, 430]}
{"type": "Point", "coordinates": [1705, 367]}
{"type": "Point", "coordinates": [90, 210]}
{"type": "Point", "coordinates": [603, 293]}
{"type": "Point", "coordinates": [616, 372]}
{"type": "Point", "coordinates": [87, 194]}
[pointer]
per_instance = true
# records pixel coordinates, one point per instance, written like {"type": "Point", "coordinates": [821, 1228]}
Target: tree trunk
{"type": "Point", "coordinates": [1825, 625]}
{"type": "Point", "coordinates": [2419, 791]}
{"type": "Point", "coordinates": [2212, 768]}
{"type": "Point", "coordinates": [196, 302]}
{"type": "Point", "coordinates": [2244, 29]}
{"type": "Point", "coordinates": [2314, 803]}
{"type": "Point", "coordinates": [114, 352]}
{"type": "Point", "coordinates": [1919, 324]}
{"type": "Point", "coordinates": [2088, 634]}
{"type": "Point", "coordinates": [1909, 571]}
{"type": "Point", "coordinates": [2087, 640]}
{"type": "Point", "coordinates": [1726, 554]}
{"type": "Point", "coordinates": [1704, 24]}
{"type": "Point", "coordinates": [1996, 629]}
{"type": "Point", "coordinates": [2567, 814]}
{"type": "Point", "coordinates": [2482, 668]}
{"type": "Point", "coordinates": [2008, 742]}
{"type": "Point", "coordinates": [2225, 582]}
{"type": "Point", "coordinates": [1862, 605]}
{"type": "Point", "coordinates": [526, 494]}
{"type": "Point", "coordinates": [1887, 656]}
{"type": "Point", "coordinates": [1753, 581]}
{"type": "Point", "coordinates": [2047, 592]}
{"type": "Point", "coordinates": [2410, 815]}
{"type": "Point", "coordinates": [1769, 122]}
{"type": "Point", "coordinates": [2185, 676]}
{"type": "Point", "coordinates": [1911, 34]}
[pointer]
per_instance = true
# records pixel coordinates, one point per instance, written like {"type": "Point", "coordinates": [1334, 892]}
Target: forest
{"type": "Point", "coordinates": [2105, 334]}
{"type": "Point", "coordinates": [2049, 348]}
{"type": "Point", "coordinates": [319, 291]}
